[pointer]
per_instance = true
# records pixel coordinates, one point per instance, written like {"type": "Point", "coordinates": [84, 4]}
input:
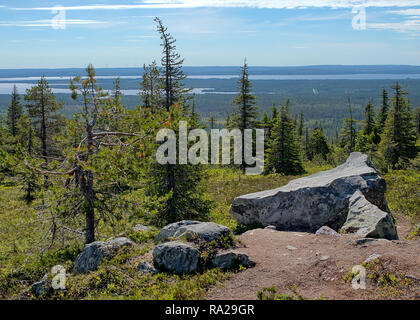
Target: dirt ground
{"type": "Point", "coordinates": [316, 266]}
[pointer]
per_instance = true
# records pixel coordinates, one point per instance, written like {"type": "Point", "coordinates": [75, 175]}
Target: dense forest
{"type": "Point", "coordinates": [68, 181]}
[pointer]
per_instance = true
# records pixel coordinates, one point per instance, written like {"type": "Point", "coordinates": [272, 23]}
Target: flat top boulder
{"type": "Point", "coordinates": [357, 164]}
{"type": "Point", "coordinates": [322, 199]}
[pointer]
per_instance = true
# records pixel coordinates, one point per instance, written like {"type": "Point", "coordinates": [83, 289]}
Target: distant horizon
{"type": "Point", "coordinates": [226, 66]}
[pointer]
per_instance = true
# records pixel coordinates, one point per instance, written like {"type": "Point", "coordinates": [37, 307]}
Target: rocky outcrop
{"type": "Point", "coordinates": [206, 231]}
{"type": "Point", "coordinates": [93, 253]}
{"type": "Point", "coordinates": [176, 257]}
{"type": "Point", "coordinates": [322, 199]}
{"type": "Point", "coordinates": [367, 220]}
{"type": "Point", "coordinates": [228, 260]}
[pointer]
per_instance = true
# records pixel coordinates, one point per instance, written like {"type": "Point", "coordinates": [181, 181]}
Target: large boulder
{"type": "Point", "coordinates": [308, 203]}
{"type": "Point", "coordinates": [367, 220]}
{"type": "Point", "coordinates": [206, 231]}
{"type": "Point", "coordinates": [93, 253]}
{"type": "Point", "coordinates": [176, 257]}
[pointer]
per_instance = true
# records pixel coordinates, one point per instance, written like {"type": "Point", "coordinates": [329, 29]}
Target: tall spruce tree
{"type": "Point", "coordinates": [177, 185]}
{"type": "Point", "coordinates": [245, 111]}
{"type": "Point", "coordinates": [14, 112]}
{"type": "Point", "coordinates": [348, 131]}
{"type": "Point", "coordinates": [284, 154]}
{"type": "Point", "coordinates": [173, 75]}
{"type": "Point", "coordinates": [398, 144]}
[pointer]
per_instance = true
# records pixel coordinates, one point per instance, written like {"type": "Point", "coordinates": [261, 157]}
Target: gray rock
{"type": "Point", "coordinates": [140, 227]}
{"type": "Point", "coordinates": [324, 258]}
{"type": "Point", "coordinates": [230, 259]}
{"type": "Point", "coordinates": [291, 248]}
{"type": "Point", "coordinates": [325, 230]}
{"type": "Point", "coordinates": [41, 287]}
{"type": "Point", "coordinates": [93, 253]}
{"type": "Point", "coordinates": [308, 203]}
{"type": "Point", "coordinates": [145, 267]}
{"type": "Point", "coordinates": [270, 228]}
{"type": "Point", "coordinates": [367, 220]}
{"type": "Point", "coordinates": [372, 257]}
{"type": "Point", "coordinates": [176, 257]}
{"type": "Point", "coordinates": [207, 231]}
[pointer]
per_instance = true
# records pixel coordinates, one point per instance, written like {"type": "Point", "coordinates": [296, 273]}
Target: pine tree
{"type": "Point", "coordinates": [14, 112]}
{"type": "Point", "coordinates": [398, 143]}
{"type": "Point", "coordinates": [245, 111]}
{"type": "Point", "coordinates": [284, 155]}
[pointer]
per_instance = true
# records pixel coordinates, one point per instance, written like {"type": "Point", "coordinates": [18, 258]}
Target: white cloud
{"type": "Point", "coordinates": [409, 26]}
{"type": "Point", "coordinates": [48, 23]}
{"type": "Point", "coordinates": [273, 4]}
{"type": "Point", "coordinates": [407, 12]}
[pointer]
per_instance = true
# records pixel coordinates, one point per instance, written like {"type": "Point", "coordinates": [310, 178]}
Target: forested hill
{"type": "Point", "coordinates": [320, 92]}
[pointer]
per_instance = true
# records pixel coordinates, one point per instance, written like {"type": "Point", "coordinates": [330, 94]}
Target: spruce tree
{"type": "Point", "coordinates": [42, 110]}
{"type": "Point", "coordinates": [177, 186]}
{"type": "Point", "coordinates": [398, 143]}
{"type": "Point", "coordinates": [14, 112]}
{"type": "Point", "coordinates": [245, 111]}
{"type": "Point", "coordinates": [318, 144]}
{"type": "Point", "coordinates": [152, 87]}
{"type": "Point", "coordinates": [348, 131]}
{"type": "Point", "coordinates": [369, 122]}
{"type": "Point", "coordinates": [383, 111]}
{"type": "Point", "coordinates": [172, 72]}
{"type": "Point", "coordinates": [284, 154]}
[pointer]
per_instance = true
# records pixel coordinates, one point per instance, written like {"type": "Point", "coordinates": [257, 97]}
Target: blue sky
{"type": "Point", "coordinates": [110, 33]}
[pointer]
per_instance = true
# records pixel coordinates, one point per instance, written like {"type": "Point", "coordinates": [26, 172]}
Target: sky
{"type": "Point", "coordinates": [110, 33]}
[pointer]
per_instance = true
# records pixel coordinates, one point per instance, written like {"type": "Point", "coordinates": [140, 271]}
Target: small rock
{"type": "Point", "coordinates": [325, 230]}
{"type": "Point", "coordinates": [145, 267]}
{"type": "Point", "coordinates": [207, 231]}
{"type": "Point", "coordinates": [323, 258]}
{"type": "Point", "coordinates": [93, 253]}
{"type": "Point", "coordinates": [271, 228]}
{"type": "Point", "coordinates": [40, 287]}
{"type": "Point", "coordinates": [140, 228]}
{"type": "Point", "coordinates": [291, 248]}
{"type": "Point", "coordinates": [176, 257]}
{"type": "Point", "coordinates": [229, 259]}
{"type": "Point", "coordinates": [372, 257]}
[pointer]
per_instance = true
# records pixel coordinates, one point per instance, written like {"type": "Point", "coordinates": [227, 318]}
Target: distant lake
{"type": "Point", "coordinates": [59, 83]}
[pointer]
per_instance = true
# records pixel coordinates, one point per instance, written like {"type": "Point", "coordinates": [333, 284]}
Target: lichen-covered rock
{"type": "Point", "coordinates": [308, 203]}
{"type": "Point", "coordinates": [206, 231]}
{"type": "Point", "coordinates": [327, 231]}
{"type": "Point", "coordinates": [176, 257]}
{"type": "Point", "coordinates": [93, 253]}
{"type": "Point", "coordinates": [231, 259]}
{"type": "Point", "coordinates": [41, 287]}
{"type": "Point", "coordinates": [145, 267]}
{"type": "Point", "coordinates": [140, 228]}
{"type": "Point", "coordinates": [367, 220]}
